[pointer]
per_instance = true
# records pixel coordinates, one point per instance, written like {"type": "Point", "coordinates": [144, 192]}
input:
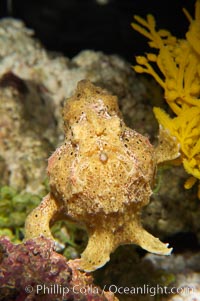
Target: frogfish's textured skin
{"type": "Point", "coordinates": [101, 177]}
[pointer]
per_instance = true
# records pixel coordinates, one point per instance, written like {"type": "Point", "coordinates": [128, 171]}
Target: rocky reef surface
{"type": "Point", "coordinates": [34, 271]}
{"type": "Point", "coordinates": [34, 83]}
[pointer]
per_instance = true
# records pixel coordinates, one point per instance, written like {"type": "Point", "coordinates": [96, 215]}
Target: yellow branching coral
{"type": "Point", "coordinates": [176, 67]}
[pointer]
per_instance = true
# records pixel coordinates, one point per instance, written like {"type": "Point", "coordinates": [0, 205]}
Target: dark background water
{"type": "Point", "coordinates": [70, 26]}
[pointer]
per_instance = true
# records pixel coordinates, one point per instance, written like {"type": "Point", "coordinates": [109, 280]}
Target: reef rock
{"type": "Point", "coordinates": [34, 271]}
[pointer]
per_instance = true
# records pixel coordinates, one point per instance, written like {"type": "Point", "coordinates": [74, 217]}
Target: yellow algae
{"type": "Point", "coordinates": [176, 67]}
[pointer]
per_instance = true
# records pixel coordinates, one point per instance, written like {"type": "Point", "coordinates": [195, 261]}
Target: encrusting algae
{"type": "Point", "coordinates": [101, 177]}
{"type": "Point", "coordinates": [178, 61]}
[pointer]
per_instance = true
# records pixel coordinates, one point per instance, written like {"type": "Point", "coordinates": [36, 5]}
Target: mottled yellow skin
{"type": "Point", "coordinates": [101, 177]}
